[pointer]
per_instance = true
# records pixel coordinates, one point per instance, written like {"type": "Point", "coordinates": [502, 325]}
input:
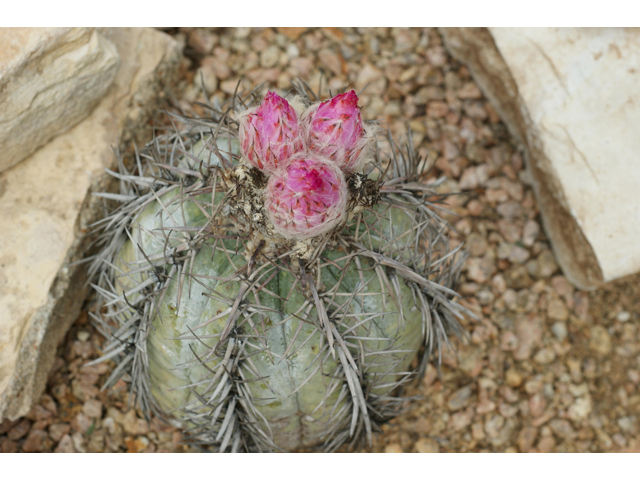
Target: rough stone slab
{"type": "Point", "coordinates": [46, 206]}
{"type": "Point", "coordinates": [50, 79]}
{"type": "Point", "coordinates": [572, 96]}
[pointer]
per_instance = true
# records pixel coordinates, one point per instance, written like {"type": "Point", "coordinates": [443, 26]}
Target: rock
{"type": "Point", "coordinates": [509, 230]}
{"type": "Point", "coordinates": [406, 39]}
{"type": "Point", "coordinates": [480, 270]}
{"type": "Point", "coordinates": [560, 331]}
{"type": "Point", "coordinates": [460, 398]}
{"type": "Point", "coordinates": [428, 93]}
{"type": "Point", "coordinates": [202, 41]}
{"type": "Point", "coordinates": [393, 448]}
{"type": "Point", "coordinates": [214, 66]}
{"type": "Point", "coordinates": [623, 316]}
{"type": "Point", "coordinates": [427, 445]}
{"type": "Point", "coordinates": [20, 430]}
{"type": "Point", "coordinates": [545, 83]}
{"type": "Point", "coordinates": [8, 446]}
{"type": "Point", "coordinates": [92, 408]}
{"type": "Point", "coordinates": [508, 341]}
{"type": "Point", "coordinates": [134, 425]}
{"type": "Point", "coordinates": [57, 430]}
{"type": "Point", "coordinates": [544, 356]}
{"type": "Point", "coordinates": [529, 333]}
{"type": "Point", "coordinates": [372, 78]}
{"type": "Point", "coordinates": [7, 425]}
{"type": "Point", "coordinates": [46, 208]}
{"type": "Point", "coordinates": [517, 277]}
{"type": "Point", "coordinates": [581, 408]}
{"type": "Point", "coordinates": [292, 32]}
{"type": "Point", "coordinates": [469, 179]}
{"type": "Point", "coordinates": [628, 425]}
{"type": "Point", "coordinates": [513, 378]}
{"type": "Point", "coordinates": [461, 420]}
{"type": "Point", "coordinates": [600, 341]}
{"type": "Point", "coordinates": [562, 428]}
{"type": "Point", "coordinates": [302, 66]}
{"type": "Point", "coordinates": [65, 445]}
{"type": "Point", "coordinates": [526, 438]}
{"type": "Point", "coordinates": [542, 267]}
{"type": "Point", "coordinates": [514, 253]}
{"type": "Point", "coordinates": [469, 92]}
{"type": "Point", "coordinates": [498, 284]}
{"type": "Point", "coordinates": [269, 57]}
{"type": "Point", "coordinates": [477, 245]}
{"type": "Point", "coordinates": [437, 56]}
{"type": "Point", "coordinates": [557, 310]}
{"type": "Point", "coordinates": [37, 441]}
{"type": "Point", "coordinates": [206, 77]}
{"type": "Point", "coordinates": [82, 423]}
{"type": "Point", "coordinates": [50, 79]}
{"type": "Point", "coordinates": [332, 61]}
{"type": "Point", "coordinates": [493, 425]}
{"type": "Point", "coordinates": [437, 109]}
{"type": "Point", "coordinates": [530, 232]}
{"type": "Point", "coordinates": [510, 210]}
{"type": "Point", "coordinates": [470, 360]}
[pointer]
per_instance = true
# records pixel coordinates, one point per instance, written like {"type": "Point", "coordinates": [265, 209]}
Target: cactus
{"type": "Point", "coordinates": [335, 130]}
{"type": "Point", "coordinates": [255, 336]}
{"type": "Point", "coordinates": [270, 133]}
{"type": "Point", "coordinates": [307, 198]}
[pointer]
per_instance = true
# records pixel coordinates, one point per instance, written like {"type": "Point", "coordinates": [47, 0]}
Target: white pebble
{"type": "Point", "coordinates": [623, 316]}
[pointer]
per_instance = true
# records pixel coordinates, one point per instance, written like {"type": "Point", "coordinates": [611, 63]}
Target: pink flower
{"type": "Point", "coordinates": [307, 198]}
{"type": "Point", "coordinates": [334, 129]}
{"type": "Point", "coordinates": [270, 133]}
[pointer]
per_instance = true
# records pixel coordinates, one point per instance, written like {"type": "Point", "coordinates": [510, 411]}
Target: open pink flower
{"type": "Point", "coordinates": [270, 133]}
{"type": "Point", "coordinates": [334, 129]}
{"type": "Point", "coordinates": [307, 198]}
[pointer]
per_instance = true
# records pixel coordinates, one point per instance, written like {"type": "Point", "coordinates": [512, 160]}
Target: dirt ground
{"type": "Point", "coordinates": [546, 368]}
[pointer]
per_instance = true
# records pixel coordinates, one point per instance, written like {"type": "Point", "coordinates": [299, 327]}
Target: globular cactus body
{"type": "Point", "coordinates": [297, 404]}
{"type": "Point", "coordinates": [227, 326]}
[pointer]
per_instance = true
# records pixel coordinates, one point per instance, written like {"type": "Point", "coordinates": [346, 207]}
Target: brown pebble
{"type": "Point", "coordinates": [427, 445]}
{"type": "Point", "coordinates": [546, 444]}
{"type": "Point", "coordinates": [437, 109]}
{"type": "Point", "coordinates": [20, 430]}
{"type": "Point", "coordinates": [65, 445]}
{"type": "Point", "coordinates": [7, 425]}
{"type": "Point", "coordinates": [57, 430]}
{"type": "Point", "coordinates": [526, 438]}
{"type": "Point", "coordinates": [37, 441]}
{"type": "Point", "coordinates": [8, 446]}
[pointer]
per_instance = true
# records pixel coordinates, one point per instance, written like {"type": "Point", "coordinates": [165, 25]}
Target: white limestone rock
{"type": "Point", "coordinates": [46, 207]}
{"type": "Point", "coordinates": [50, 79]}
{"type": "Point", "coordinates": [572, 96]}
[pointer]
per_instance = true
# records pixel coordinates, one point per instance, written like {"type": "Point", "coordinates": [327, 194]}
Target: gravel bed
{"type": "Point", "coordinates": [546, 368]}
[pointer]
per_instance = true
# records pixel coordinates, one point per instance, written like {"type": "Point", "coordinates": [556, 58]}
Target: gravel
{"type": "Point", "coordinates": [546, 368]}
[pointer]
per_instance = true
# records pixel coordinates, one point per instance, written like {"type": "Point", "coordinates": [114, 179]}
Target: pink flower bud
{"type": "Point", "coordinates": [270, 133]}
{"type": "Point", "coordinates": [334, 129]}
{"type": "Point", "coordinates": [307, 198]}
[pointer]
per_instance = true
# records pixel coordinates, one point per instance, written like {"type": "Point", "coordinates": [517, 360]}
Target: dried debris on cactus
{"type": "Point", "coordinates": [245, 322]}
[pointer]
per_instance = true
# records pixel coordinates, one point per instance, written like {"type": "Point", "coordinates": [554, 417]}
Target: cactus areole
{"type": "Point", "coordinates": [270, 276]}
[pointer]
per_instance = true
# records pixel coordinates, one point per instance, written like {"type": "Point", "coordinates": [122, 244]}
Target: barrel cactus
{"type": "Point", "coordinates": [267, 295]}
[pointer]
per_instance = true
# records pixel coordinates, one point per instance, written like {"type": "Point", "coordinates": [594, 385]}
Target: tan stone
{"type": "Point", "coordinates": [570, 95]}
{"type": "Point", "coordinates": [50, 79]}
{"type": "Point", "coordinates": [46, 207]}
